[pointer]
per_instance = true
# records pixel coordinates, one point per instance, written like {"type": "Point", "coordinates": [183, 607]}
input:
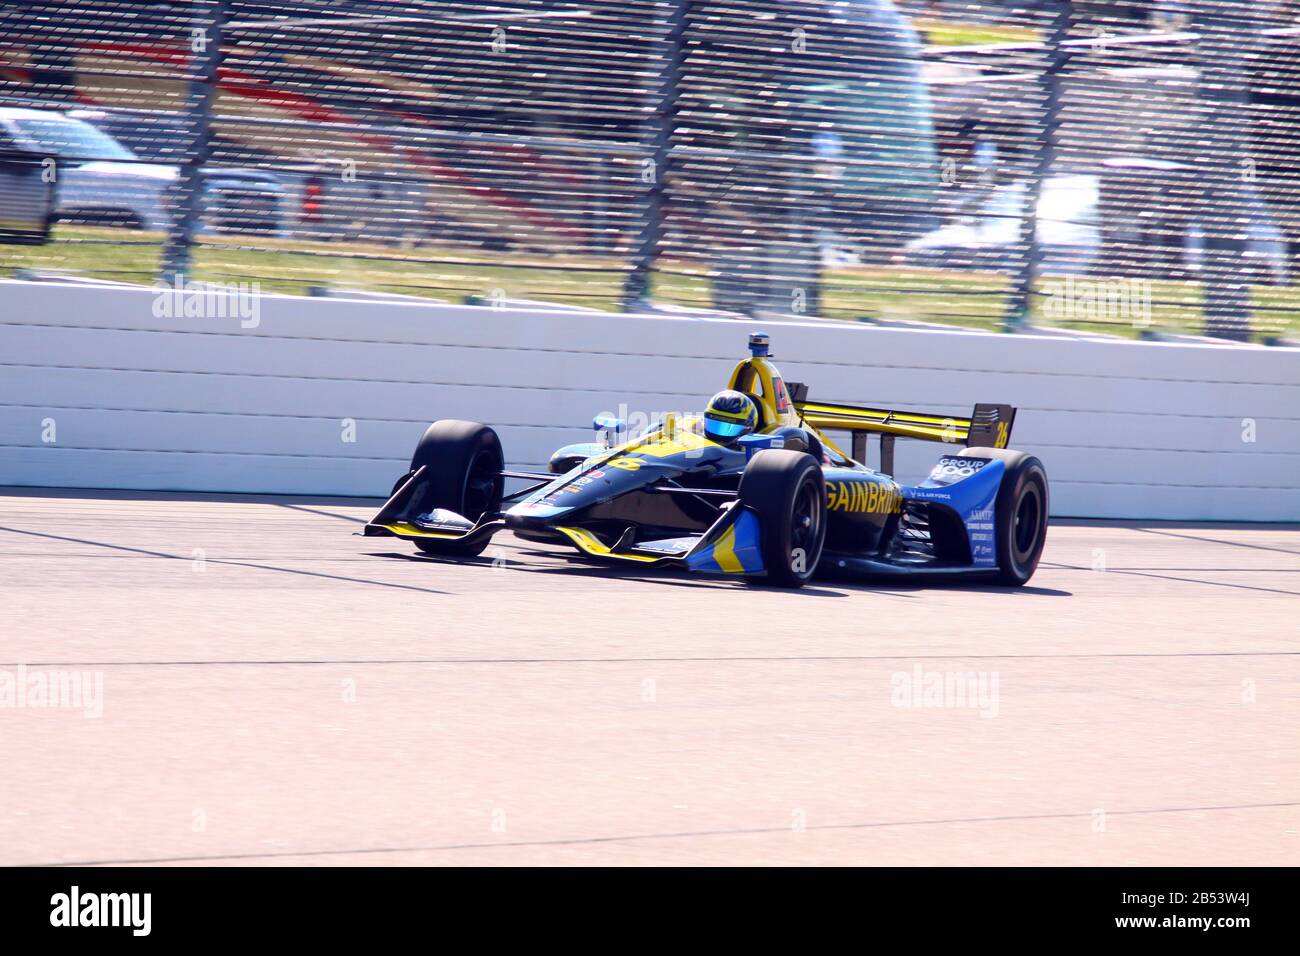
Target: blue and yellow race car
{"type": "Point", "coordinates": [753, 487]}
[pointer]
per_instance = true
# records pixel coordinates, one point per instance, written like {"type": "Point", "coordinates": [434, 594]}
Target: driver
{"type": "Point", "coordinates": [729, 416]}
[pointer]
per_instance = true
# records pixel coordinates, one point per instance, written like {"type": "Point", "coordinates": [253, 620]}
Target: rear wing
{"type": "Point", "coordinates": [989, 426]}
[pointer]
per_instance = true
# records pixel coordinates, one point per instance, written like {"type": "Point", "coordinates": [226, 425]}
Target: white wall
{"type": "Point", "coordinates": [1134, 430]}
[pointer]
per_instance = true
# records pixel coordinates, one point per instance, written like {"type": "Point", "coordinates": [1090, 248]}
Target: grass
{"type": "Point", "coordinates": [966, 299]}
{"type": "Point", "coordinates": [978, 300]}
{"type": "Point", "coordinates": [949, 33]}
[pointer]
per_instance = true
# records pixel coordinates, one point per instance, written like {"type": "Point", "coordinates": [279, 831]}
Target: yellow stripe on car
{"type": "Point", "coordinates": [404, 530]}
{"type": "Point", "coordinates": [724, 552]}
{"type": "Point", "coordinates": [822, 415]}
{"type": "Point", "coordinates": [588, 542]}
{"type": "Point", "coordinates": [661, 446]}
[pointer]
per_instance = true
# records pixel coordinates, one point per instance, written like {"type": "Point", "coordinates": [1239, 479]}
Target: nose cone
{"type": "Point", "coordinates": [577, 490]}
{"type": "Point", "coordinates": [533, 513]}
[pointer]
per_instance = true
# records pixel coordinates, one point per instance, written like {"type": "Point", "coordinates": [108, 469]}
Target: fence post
{"type": "Point", "coordinates": [205, 42]}
{"type": "Point", "coordinates": [1019, 302]}
{"type": "Point", "coordinates": [663, 122]}
{"type": "Point", "coordinates": [1225, 210]}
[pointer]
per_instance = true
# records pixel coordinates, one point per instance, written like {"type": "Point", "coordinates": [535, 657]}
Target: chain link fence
{"type": "Point", "coordinates": [1111, 167]}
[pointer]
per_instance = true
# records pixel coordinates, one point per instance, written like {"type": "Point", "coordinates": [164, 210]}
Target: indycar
{"type": "Point", "coordinates": [777, 506]}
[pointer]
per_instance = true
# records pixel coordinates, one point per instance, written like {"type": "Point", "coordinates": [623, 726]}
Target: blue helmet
{"type": "Point", "coordinates": [730, 415]}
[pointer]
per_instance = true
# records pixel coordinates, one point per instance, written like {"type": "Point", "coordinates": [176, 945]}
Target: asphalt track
{"type": "Point", "coordinates": [276, 690]}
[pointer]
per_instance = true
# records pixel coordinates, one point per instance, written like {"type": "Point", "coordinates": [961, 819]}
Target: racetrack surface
{"type": "Point", "coordinates": [276, 690]}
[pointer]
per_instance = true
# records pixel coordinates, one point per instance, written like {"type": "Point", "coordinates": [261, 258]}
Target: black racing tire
{"type": "Point", "coordinates": [787, 491]}
{"type": "Point", "coordinates": [399, 482]}
{"type": "Point", "coordinates": [463, 462]}
{"type": "Point", "coordinates": [1020, 513]}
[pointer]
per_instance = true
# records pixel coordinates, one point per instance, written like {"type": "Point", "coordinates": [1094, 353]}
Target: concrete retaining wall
{"type": "Point", "coordinates": [137, 400]}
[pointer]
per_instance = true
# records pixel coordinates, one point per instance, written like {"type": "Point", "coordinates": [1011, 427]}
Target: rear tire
{"type": "Point", "coordinates": [787, 491]}
{"type": "Point", "coordinates": [1020, 513]}
{"type": "Point", "coordinates": [463, 462]}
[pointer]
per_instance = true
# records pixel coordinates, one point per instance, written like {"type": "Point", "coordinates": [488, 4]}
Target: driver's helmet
{"type": "Point", "coordinates": [729, 416]}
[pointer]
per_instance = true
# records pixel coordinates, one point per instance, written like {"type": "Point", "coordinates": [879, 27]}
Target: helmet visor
{"type": "Point", "coordinates": [723, 429]}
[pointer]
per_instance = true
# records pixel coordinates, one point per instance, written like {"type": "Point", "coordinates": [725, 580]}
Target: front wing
{"type": "Point", "coordinates": [729, 546]}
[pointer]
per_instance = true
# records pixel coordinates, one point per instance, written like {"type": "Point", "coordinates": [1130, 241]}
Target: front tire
{"type": "Point", "coordinates": [463, 462]}
{"type": "Point", "coordinates": [1020, 513]}
{"type": "Point", "coordinates": [787, 491]}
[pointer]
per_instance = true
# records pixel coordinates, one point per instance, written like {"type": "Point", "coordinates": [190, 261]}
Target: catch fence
{"type": "Point", "coordinates": [1124, 168]}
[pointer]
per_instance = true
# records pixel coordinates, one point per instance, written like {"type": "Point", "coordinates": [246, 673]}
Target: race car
{"type": "Point", "coordinates": [753, 487]}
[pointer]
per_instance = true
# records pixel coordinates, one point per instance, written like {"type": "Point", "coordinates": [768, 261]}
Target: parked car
{"type": "Point", "coordinates": [236, 199]}
{"type": "Point", "coordinates": [1070, 232]}
{"type": "Point", "coordinates": [1263, 254]}
{"type": "Point", "coordinates": [26, 195]}
{"type": "Point", "coordinates": [100, 181]}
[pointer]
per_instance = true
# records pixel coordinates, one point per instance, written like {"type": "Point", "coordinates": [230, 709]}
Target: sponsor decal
{"type": "Point", "coordinates": [861, 497]}
{"type": "Point", "coordinates": [782, 396]}
{"type": "Point", "coordinates": [543, 507]}
{"type": "Point", "coordinates": [668, 545]}
{"type": "Point", "coordinates": [980, 520]}
{"type": "Point", "coordinates": [952, 470]}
